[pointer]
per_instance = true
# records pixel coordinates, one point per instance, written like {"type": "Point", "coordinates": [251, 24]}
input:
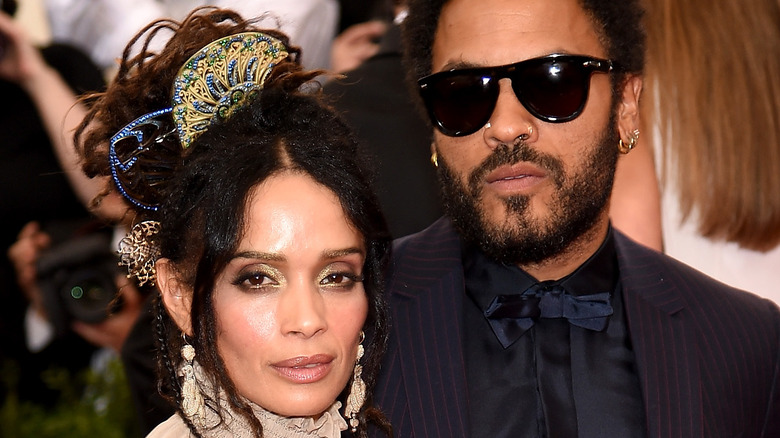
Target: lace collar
{"type": "Point", "coordinates": [328, 425]}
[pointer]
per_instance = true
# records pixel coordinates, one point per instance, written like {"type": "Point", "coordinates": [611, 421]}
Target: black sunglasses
{"type": "Point", "coordinates": [552, 88]}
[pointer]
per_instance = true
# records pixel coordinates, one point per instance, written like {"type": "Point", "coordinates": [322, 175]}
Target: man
{"type": "Point", "coordinates": [523, 313]}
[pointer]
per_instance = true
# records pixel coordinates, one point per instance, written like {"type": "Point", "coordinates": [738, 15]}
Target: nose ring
{"type": "Point", "coordinates": [526, 135]}
{"type": "Point", "coordinates": [523, 136]}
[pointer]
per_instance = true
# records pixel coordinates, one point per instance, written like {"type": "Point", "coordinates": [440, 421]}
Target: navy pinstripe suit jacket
{"type": "Point", "coordinates": [708, 355]}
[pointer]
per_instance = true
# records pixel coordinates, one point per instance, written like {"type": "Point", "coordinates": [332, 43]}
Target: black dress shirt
{"type": "Point", "coordinates": [595, 378]}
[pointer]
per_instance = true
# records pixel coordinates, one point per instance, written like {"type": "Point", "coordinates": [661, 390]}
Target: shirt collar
{"type": "Point", "coordinates": [486, 278]}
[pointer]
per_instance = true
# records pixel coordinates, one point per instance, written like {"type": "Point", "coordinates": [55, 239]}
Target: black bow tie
{"type": "Point", "coordinates": [511, 315]}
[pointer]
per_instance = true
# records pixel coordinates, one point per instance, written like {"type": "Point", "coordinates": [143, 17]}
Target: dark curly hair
{"type": "Point", "coordinates": [619, 24]}
{"type": "Point", "coordinates": [287, 127]}
{"type": "Point", "coordinates": [144, 80]}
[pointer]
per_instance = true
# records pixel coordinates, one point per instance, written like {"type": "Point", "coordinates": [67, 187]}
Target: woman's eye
{"type": "Point", "coordinates": [340, 279]}
{"type": "Point", "coordinates": [254, 280]}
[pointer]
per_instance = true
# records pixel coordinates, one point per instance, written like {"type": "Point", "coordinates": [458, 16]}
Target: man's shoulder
{"type": "Point", "coordinates": [661, 278]}
{"type": "Point", "coordinates": [437, 240]}
{"type": "Point", "coordinates": [424, 257]}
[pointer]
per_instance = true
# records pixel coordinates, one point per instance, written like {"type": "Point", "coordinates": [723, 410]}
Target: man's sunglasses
{"type": "Point", "coordinates": [553, 88]}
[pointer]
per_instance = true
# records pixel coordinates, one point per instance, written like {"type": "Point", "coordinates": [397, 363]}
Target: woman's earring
{"type": "Point", "coordinates": [357, 393]}
{"type": "Point", "coordinates": [633, 138]}
{"type": "Point", "coordinates": [192, 404]}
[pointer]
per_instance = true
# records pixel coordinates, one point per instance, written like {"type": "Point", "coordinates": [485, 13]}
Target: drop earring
{"type": "Point", "coordinates": [192, 404]}
{"type": "Point", "coordinates": [357, 393]}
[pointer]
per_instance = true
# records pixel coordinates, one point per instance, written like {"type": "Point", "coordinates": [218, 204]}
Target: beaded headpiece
{"type": "Point", "coordinates": [217, 80]}
{"type": "Point", "coordinates": [221, 78]}
{"type": "Point", "coordinates": [209, 87]}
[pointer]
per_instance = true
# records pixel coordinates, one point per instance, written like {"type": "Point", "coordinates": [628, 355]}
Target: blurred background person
{"type": "Point", "coordinates": [376, 101]}
{"type": "Point", "coordinates": [712, 114]}
{"type": "Point", "coordinates": [33, 187]}
{"type": "Point", "coordinates": [102, 28]}
{"type": "Point", "coordinates": [44, 195]}
{"type": "Point", "coordinates": [353, 12]}
{"type": "Point", "coordinates": [361, 26]}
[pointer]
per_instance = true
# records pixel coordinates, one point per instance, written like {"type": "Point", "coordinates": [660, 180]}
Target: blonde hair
{"type": "Point", "coordinates": [713, 70]}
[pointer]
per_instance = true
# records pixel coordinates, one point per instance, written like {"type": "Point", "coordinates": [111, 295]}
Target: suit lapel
{"type": "Point", "coordinates": [664, 343]}
{"type": "Point", "coordinates": [426, 294]}
{"type": "Point", "coordinates": [426, 302]}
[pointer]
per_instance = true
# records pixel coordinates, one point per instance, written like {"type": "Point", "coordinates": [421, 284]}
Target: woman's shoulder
{"type": "Point", "coordinates": [174, 426]}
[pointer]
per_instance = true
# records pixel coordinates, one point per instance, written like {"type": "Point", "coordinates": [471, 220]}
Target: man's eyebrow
{"type": "Point", "coordinates": [458, 65]}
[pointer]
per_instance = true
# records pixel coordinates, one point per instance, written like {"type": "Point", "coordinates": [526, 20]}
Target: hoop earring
{"type": "Point", "coordinates": [357, 393]}
{"type": "Point", "coordinates": [435, 159]}
{"type": "Point", "coordinates": [192, 404]}
{"type": "Point", "coordinates": [626, 148]}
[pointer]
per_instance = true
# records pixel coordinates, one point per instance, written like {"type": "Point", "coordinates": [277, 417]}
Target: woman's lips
{"type": "Point", "coordinates": [304, 369]}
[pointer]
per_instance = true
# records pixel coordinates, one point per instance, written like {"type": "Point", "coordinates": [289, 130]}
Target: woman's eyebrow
{"type": "Point", "coordinates": [259, 255]}
{"type": "Point", "coordinates": [336, 253]}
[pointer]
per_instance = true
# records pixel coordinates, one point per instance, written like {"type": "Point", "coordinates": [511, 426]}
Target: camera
{"type": "Point", "coordinates": [77, 279]}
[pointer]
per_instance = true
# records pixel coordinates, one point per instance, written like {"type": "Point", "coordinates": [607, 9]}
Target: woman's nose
{"type": "Point", "coordinates": [301, 311]}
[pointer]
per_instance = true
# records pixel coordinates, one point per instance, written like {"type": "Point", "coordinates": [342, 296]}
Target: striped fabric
{"type": "Point", "coordinates": [708, 355]}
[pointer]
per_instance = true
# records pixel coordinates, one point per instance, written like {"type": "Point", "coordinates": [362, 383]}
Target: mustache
{"type": "Point", "coordinates": [506, 155]}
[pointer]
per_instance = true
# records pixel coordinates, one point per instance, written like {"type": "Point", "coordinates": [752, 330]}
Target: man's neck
{"type": "Point", "coordinates": [577, 253]}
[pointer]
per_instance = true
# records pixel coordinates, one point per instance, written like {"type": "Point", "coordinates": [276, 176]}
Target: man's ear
{"type": "Point", "coordinates": [176, 297]}
{"type": "Point", "coordinates": [628, 108]}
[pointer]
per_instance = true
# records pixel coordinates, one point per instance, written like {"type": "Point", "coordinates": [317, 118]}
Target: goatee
{"type": "Point", "coordinates": [579, 199]}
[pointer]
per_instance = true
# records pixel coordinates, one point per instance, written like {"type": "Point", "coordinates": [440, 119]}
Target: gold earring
{"type": "Point", "coordinates": [633, 138]}
{"type": "Point", "coordinates": [357, 393]}
{"type": "Point", "coordinates": [434, 159]}
{"type": "Point", "coordinates": [192, 404]}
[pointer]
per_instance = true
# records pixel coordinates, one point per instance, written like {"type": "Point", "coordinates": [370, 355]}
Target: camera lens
{"type": "Point", "coordinates": [77, 278]}
{"type": "Point", "coordinates": [89, 295]}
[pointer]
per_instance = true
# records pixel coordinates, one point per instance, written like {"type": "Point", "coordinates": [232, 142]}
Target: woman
{"type": "Point", "coordinates": [254, 218]}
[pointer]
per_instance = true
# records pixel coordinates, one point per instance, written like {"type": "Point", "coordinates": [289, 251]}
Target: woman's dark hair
{"type": "Point", "coordinates": [619, 24]}
{"type": "Point", "coordinates": [286, 128]}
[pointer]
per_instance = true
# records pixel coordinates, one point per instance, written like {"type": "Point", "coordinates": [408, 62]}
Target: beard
{"type": "Point", "coordinates": [578, 202]}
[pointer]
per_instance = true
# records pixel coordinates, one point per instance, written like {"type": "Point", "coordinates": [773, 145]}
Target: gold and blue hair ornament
{"type": "Point", "coordinates": [215, 82]}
